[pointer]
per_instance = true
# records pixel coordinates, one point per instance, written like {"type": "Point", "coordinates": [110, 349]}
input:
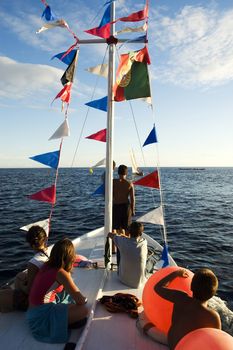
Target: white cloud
{"type": "Point", "coordinates": [19, 80]}
{"type": "Point", "coordinates": [196, 47]}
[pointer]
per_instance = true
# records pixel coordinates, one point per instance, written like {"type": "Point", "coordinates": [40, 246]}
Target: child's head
{"type": "Point", "coordinates": [136, 229]}
{"type": "Point", "coordinates": [204, 284]}
{"type": "Point", "coordinates": [62, 255]}
{"type": "Point", "coordinates": [36, 237]}
{"type": "Point", "coordinates": [122, 170]}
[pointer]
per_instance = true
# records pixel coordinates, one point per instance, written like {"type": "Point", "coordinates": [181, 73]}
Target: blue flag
{"type": "Point", "coordinates": [47, 14]}
{"type": "Point", "coordinates": [164, 256]}
{"type": "Point", "coordinates": [139, 38]}
{"type": "Point", "coordinates": [101, 104]}
{"type": "Point", "coordinates": [99, 190]}
{"type": "Point", "coordinates": [50, 159]}
{"type": "Point", "coordinates": [67, 59]}
{"type": "Point", "coordinates": [108, 2]}
{"type": "Point", "coordinates": [106, 17]}
{"type": "Point", "coordinates": [152, 138]}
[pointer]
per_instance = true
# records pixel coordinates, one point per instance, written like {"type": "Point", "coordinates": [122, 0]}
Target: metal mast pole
{"type": "Point", "coordinates": [110, 133]}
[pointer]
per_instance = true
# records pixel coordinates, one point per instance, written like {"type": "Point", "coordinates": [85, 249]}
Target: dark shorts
{"type": "Point", "coordinates": [121, 216]}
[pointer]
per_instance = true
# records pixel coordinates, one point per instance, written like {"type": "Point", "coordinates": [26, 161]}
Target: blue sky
{"type": "Point", "coordinates": [191, 49]}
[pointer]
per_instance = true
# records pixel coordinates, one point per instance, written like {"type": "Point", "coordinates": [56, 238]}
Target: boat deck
{"type": "Point", "coordinates": [109, 331]}
{"type": "Point", "coordinates": [116, 330]}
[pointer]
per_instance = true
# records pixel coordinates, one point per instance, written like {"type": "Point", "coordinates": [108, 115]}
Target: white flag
{"type": "Point", "coordinates": [155, 216]}
{"type": "Point", "coordinates": [43, 223]}
{"type": "Point", "coordinates": [101, 69]}
{"type": "Point", "coordinates": [101, 162]}
{"type": "Point", "coordinates": [58, 23]}
{"type": "Point", "coordinates": [133, 29]}
{"type": "Point", "coordinates": [62, 131]}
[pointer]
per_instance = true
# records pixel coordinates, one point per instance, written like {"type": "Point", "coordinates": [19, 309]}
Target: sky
{"type": "Point", "coordinates": [191, 71]}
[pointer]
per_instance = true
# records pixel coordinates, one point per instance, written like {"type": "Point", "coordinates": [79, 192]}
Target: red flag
{"type": "Point", "coordinates": [65, 93]}
{"type": "Point", "coordinates": [98, 136]}
{"type": "Point", "coordinates": [136, 16]}
{"type": "Point", "coordinates": [46, 195]}
{"type": "Point", "coordinates": [151, 180]}
{"type": "Point", "coordinates": [103, 32]}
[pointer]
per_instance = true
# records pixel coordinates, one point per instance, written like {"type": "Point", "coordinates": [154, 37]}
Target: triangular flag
{"type": "Point", "coordinates": [98, 136]}
{"type": "Point", "coordinates": [103, 32]}
{"type": "Point", "coordinates": [164, 256]}
{"type": "Point", "coordinates": [106, 17]}
{"type": "Point", "coordinates": [101, 162]}
{"type": "Point", "coordinates": [67, 59]}
{"type": "Point", "coordinates": [152, 137]}
{"type": "Point", "coordinates": [68, 76]}
{"type": "Point", "coordinates": [51, 159]}
{"type": "Point", "coordinates": [46, 195]}
{"type": "Point", "coordinates": [58, 23]}
{"type": "Point", "coordinates": [99, 190]}
{"type": "Point", "coordinates": [101, 104]}
{"type": "Point", "coordinates": [65, 93]}
{"type": "Point", "coordinates": [109, 2]}
{"type": "Point", "coordinates": [42, 223]}
{"type": "Point", "coordinates": [155, 216]}
{"type": "Point", "coordinates": [47, 14]}
{"type": "Point", "coordinates": [62, 131]}
{"type": "Point", "coordinates": [136, 16]}
{"type": "Point", "coordinates": [101, 69]}
{"type": "Point", "coordinates": [151, 180]}
{"type": "Point", "coordinates": [133, 29]}
{"type": "Point", "coordinates": [139, 38]}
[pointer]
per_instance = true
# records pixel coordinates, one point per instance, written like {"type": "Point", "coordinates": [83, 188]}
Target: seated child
{"type": "Point", "coordinates": [133, 255]}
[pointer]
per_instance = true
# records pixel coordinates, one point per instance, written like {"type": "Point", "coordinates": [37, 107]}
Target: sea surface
{"type": "Point", "coordinates": [198, 213]}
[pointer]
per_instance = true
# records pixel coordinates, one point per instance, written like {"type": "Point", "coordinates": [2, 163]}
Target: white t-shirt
{"type": "Point", "coordinates": [39, 259]}
{"type": "Point", "coordinates": [133, 256]}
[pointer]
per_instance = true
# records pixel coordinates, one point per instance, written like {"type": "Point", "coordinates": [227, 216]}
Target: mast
{"type": "Point", "coordinates": [110, 135]}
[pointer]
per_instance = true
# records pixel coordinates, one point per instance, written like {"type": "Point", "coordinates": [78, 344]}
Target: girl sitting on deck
{"type": "Point", "coordinates": [17, 298]}
{"type": "Point", "coordinates": [47, 320]}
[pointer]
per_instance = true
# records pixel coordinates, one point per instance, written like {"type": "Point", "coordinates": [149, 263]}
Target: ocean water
{"type": "Point", "coordinates": [198, 213]}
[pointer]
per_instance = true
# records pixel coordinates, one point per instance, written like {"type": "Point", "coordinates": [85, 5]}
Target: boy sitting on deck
{"type": "Point", "coordinates": [189, 313]}
{"type": "Point", "coordinates": [133, 255]}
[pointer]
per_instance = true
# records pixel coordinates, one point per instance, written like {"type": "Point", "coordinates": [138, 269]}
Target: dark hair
{"type": "Point", "coordinates": [36, 236]}
{"type": "Point", "coordinates": [204, 284]}
{"type": "Point", "coordinates": [136, 229]}
{"type": "Point", "coordinates": [122, 169]}
{"type": "Point", "coordinates": [62, 255]}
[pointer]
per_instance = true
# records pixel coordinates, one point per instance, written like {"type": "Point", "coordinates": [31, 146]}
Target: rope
{"type": "Point", "coordinates": [84, 123]}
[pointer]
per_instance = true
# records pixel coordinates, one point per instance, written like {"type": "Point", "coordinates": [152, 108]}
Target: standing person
{"type": "Point", "coordinates": [190, 313]}
{"type": "Point", "coordinates": [47, 320]}
{"type": "Point", "coordinates": [17, 298]}
{"type": "Point", "coordinates": [133, 255]}
{"type": "Point", "coordinates": [123, 200]}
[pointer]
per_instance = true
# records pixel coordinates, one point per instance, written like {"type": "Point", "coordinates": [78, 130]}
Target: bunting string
{"type": "Point", "coordinates": [87, 113]}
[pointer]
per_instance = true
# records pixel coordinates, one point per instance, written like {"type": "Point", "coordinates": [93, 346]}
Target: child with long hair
{"type": "Point", "coordinates": [17, 298]}
{"type": "Point", "coordinates": [47, 320]}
